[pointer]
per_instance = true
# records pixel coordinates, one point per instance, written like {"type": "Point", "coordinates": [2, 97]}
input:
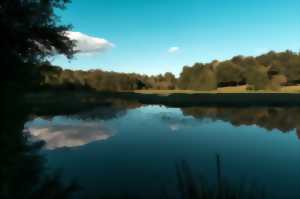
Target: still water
{"type": "Point", "coordinates": [136, 149]}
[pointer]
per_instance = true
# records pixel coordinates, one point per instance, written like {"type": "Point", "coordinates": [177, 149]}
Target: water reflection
{"type": "Point", "coordinates": [176, 122]}
{"type": "Point", "coordinates": [284, 119]}
{"type": "Point", "coordinates": [61, 131]}
{"type": "Point", "coordinates": [140, 155]}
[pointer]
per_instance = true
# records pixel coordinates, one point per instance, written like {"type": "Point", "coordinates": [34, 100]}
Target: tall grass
{"type": "Point", "coordinates": [190, 186]}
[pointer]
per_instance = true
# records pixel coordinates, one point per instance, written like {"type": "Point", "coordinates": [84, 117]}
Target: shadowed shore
{"type": "Point", "coordinates": [56, 100]}
{"type": "Point", "coordinates": [216, 99]}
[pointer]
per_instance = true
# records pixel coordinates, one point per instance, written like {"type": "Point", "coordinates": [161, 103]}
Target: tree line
{"type": "Point", "coordinates": [269, 71]}
{"type": "Point", "coordinates": [54, 77]}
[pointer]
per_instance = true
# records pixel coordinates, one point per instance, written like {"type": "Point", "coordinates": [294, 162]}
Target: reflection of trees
{"type": "Point", "coordinates": [283, 118]}
{"type": "Point", "coordinates": [78, 129]}
{"type": "Point", "coordinates": [22, 169]}
{"type": "Point", "coordinates": [116, 107]}
{"type": "Point", "coordinates": [85, 106]}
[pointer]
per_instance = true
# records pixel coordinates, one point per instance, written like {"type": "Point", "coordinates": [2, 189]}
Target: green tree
{"type": "Point", "coordinates": [205, 80]}
{"type": "Point", "coordinates": [257, 77]}
{"type": "Point", "coordinates": [185, 77]}
{"type": "Point", "coordinates": [229, 74]}
{"type": "Point", "coordinates": [267, 59]}
{"type": "Point", "coordinates": [293, 69]}
{"type": "Point", "coordinates": [170, 81]}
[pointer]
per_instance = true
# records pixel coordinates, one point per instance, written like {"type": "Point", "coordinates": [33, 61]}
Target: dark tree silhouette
{"type": "Point", "coordinates": [29, 33]}
{"type": "Point", "coordinates": [23, 171]}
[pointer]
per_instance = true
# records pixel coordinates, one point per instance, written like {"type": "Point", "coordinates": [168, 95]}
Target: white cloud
{"type": "Point", "coordinates": [89, 44]}
{"type": "Point", "coordinates": [173, 49]}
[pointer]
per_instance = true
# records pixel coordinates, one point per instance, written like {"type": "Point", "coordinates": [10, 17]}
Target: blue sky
{"type": "Point", "coordinates": [140, 33]}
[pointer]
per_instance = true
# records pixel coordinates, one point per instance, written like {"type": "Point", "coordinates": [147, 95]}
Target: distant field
{"type": "Point", "coordinates": [233, 89]}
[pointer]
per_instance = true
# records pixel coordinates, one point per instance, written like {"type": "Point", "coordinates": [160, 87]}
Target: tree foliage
{"type": "Point", "coordinates": [198, 77]}
{"type": "Point", "coordinates": [229, 74]}
{"type": "Point", "coordinates": [29, 34]}
{"type": "Point", "coordinates": [56, 78]}
{"type": "Point", "coordinates": [268, 71]}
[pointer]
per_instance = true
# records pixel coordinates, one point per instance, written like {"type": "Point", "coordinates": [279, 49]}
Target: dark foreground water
{"type": "Point", "coordinates": [136, 149]}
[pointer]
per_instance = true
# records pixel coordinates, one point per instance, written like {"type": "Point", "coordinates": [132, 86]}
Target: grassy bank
{"type": "Point", "coordinates": [229, 89]}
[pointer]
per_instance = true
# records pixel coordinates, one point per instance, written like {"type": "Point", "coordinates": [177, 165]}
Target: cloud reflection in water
{"type": "Point", "coordinates": [61, 131]}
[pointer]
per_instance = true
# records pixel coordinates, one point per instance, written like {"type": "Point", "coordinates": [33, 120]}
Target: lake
{"type": "Point", "coordinates": [139, 149]}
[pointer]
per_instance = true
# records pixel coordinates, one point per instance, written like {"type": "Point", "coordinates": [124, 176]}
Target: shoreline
{"type": "Point", "coordinates": [171, 99]}
{"type": "Point", "coordinates": [216, 99]}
